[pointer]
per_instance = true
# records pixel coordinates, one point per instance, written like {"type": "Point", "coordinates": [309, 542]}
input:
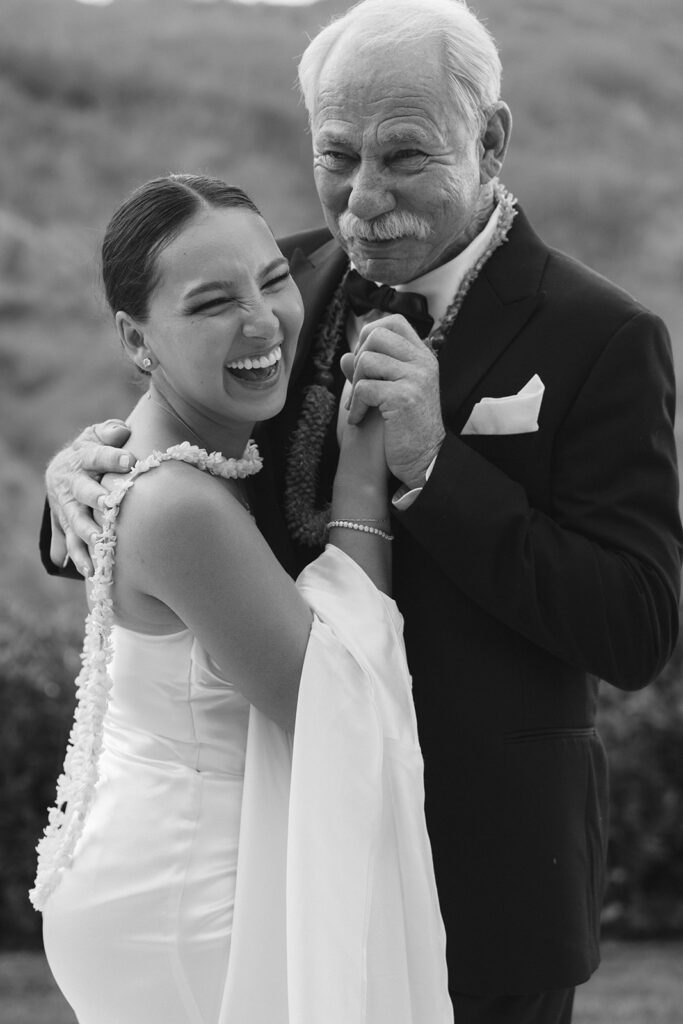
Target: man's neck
{"type": "Point", "coordinates": [485, 206]}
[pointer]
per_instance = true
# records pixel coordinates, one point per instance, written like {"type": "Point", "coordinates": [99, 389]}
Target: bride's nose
{"type": "Point", "coordinates": [260, 322]}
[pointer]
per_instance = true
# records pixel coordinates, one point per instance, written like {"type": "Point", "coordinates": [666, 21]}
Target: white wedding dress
{"type": "Point", "coordinates": [225, 875]}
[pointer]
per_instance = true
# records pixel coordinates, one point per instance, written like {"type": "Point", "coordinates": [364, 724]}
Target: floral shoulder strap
{"type": "Point", "coordinates": [76, 784]}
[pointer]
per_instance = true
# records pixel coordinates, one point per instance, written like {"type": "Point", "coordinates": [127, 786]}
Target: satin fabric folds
{"type": "Point", "coordinates": [336, 910]}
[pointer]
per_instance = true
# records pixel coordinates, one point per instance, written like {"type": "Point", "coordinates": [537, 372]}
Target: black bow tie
{"type": "Point", "coordinates": [366, 295]}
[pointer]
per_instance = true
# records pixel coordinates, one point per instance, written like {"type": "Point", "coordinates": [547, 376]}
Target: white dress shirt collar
{"type": "Point", "coordinates": [440, 285]}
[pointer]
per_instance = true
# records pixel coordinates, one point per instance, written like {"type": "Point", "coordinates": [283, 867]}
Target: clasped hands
{"type": "Point", "coordinates": [391, 370]}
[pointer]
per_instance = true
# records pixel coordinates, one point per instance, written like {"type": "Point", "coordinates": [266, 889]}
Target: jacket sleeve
{"type": "Point", "coordinates": [69, 571]}
{"type": "Point", "coordinates": [594, 577]}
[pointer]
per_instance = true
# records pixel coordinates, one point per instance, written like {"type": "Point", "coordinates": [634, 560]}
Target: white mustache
{"type": "Point", "coordinates": [395, 224]}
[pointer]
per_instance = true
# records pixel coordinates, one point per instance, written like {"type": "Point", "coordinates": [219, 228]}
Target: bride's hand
{"type": "Point", "coordinates": [362, 444]}
{"type": "Point", "coordinates": [361, 496]}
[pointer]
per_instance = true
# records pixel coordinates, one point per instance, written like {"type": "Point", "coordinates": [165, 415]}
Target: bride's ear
{"type": "Point", "coordinates": [132, 337]}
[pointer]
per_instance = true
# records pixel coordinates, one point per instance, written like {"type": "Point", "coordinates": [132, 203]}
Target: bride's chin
{"type": "Point", "coordinates": [257, 404]}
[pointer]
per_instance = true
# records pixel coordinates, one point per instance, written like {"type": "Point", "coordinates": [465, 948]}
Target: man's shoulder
{"type": "Point", "coordinates": [563, 279]}
{"type": "Point", "coordinates": [569, 280]}
{"type": "Point", "coordinates": [593, 306]}
{"type": "Point", "coordinates": [306, 241]}
{"type": "Point", "coordinates": [584, 283]}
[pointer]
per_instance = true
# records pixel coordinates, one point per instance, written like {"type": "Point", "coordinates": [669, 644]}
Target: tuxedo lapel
{"type": "Point", "coordinates": [500, 302]}
{"type": "Point", "coordinates": [316, 277]}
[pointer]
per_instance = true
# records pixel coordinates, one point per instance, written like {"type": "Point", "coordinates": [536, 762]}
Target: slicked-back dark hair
{"type": "Point", "coordinates": [152, 216]}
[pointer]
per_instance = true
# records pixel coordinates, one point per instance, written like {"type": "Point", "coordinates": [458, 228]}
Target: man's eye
{"type": "Point", "coordinates": [335, 158]}
{"type": "Point", "coordinates": [415, 155]}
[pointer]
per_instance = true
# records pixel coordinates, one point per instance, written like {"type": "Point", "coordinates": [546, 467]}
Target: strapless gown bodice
{"type": "Point", "coordinates": [169, 703]}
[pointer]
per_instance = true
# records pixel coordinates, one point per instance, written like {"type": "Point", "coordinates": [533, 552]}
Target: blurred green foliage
{"type": "Point", "coordinates": [95, 100]}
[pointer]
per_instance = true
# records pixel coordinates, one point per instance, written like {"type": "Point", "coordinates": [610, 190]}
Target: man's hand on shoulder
{"type": "Point", "coordinates": [395, 372]}
{"type": "Point", "coordinates": [73, 489]}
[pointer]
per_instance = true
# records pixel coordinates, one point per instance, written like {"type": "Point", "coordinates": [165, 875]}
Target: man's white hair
{"type": "Point", "coordinates": [469, 54]}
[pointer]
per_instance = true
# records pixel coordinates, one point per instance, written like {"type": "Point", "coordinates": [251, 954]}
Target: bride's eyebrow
{"type": "Point", "coordinates": [209, 286]}
{"type": "Point", "coordinates": [281, 263]}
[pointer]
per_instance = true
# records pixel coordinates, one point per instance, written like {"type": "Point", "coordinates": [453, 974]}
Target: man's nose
{"type": "Point", "coordinates": [371, 194]}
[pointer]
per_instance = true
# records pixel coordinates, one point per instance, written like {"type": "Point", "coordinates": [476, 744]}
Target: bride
{"type": "Point", "coordinates": [238, 833]}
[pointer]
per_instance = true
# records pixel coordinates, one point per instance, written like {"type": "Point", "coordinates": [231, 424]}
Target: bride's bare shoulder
{"type": "Point", "coordinates": [175, 498]}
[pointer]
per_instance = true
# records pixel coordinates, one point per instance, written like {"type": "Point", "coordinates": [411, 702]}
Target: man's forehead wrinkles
{"type": "Point", "coordinates": [396, 125]}
{"type": "Point", "coordinates": [415, 128]}
{"type": "Point", "coordinates": [343, 104]}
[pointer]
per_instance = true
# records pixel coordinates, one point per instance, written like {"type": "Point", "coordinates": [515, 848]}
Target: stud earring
{"type": "Point", "coordinates": [146, 363]}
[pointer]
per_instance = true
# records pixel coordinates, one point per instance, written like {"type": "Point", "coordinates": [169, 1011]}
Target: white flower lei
{"type": "Point", "coordinates": [76, 784]}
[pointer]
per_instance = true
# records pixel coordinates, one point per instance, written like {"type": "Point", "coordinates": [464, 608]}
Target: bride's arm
{"type": "Point", "coordinates": [361, 497]}
{"type": "Point", "coordinates": [186, 542]}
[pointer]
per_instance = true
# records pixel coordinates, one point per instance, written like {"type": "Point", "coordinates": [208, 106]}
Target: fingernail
{"type": "Point", "coordinates": [102, 503]}
{"type": "Point", "coordinates": [347, 404]}
{"type": "Point", "coordinates": [94, 538]}
{"type": "Point", "coordinates": [84, 570]}
{"type": "Point", "coordinates": [65, 562]}
{"type": "Point", "coordinates": [124, 462]}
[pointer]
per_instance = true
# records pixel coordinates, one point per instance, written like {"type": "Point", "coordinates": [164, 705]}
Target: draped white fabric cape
{"type": "Point", "coordinates": [337, 917]}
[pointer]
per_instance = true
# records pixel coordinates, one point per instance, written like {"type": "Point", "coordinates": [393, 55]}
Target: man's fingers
{"type": "Point", "coordinates": [347, 363]}
{"type": "Point", "coordinates": [58, 552]}
{"type": "Point", "coordinates": [72, 491]}
{"type": "Point", "coordinates": [80, 527]}
{"type": "Point", "coordinates": [394, 324]}
{"type": "Point", "coordinates": [376, 365]}
{"type": "Point", "coordinates": [100, 459]}
{"type": "Point", "coordinates": [112, 432]}
{"type": "Point", "coordinates": [78, 553]}
{"type": "Point", "coordinates": [366, 394]}
{"type": "Point", "coordinates": [378, 339]}
{"type": "Point", "coordinates": [87, 491]}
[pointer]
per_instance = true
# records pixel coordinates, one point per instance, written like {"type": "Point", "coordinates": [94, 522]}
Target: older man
{"type": "Point", "coordinates": [537, 538]}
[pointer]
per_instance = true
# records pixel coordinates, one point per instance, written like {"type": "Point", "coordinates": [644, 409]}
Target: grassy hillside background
{"type": "Point", "coordinates": [95, 100]}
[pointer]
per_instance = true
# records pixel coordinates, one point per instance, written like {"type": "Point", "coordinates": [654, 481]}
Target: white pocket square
{"type": "Point", "coordinates": [512, 414]}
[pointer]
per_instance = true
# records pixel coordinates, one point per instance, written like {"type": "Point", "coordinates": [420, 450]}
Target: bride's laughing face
{"type": "Point", "coordinates": [224, 317]}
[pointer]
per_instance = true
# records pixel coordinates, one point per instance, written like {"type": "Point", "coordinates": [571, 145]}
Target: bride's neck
{"type": "Point", "coordinates": [163, 418]}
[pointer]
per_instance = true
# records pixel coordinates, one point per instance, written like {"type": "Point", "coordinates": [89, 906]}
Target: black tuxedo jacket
{"type": "Point", "coordinates": [530, 566]}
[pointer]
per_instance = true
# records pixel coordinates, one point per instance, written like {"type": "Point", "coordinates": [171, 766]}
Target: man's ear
{"type": "Point", "coordinates": [494, 142]}
{"type": "Point", "coordinates": [132, 337]}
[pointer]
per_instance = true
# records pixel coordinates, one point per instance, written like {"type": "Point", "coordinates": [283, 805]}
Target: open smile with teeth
{"type": "Point", "coordinates": [256, 368]}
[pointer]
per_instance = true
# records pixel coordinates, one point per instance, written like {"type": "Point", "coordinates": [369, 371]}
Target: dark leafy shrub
{"type": "Point", "coordinates": [643, 733]}
{"type": "Point", "coordinates": [38, 664]}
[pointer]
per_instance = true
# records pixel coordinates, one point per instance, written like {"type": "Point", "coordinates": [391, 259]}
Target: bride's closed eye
{"type": "Point", "coordinates": [273, 282]}
{"type": "Point", "coordinates": [210, 304]}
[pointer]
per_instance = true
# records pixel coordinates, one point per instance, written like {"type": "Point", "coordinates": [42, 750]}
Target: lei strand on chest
{"type": "Point", "coordinates": [306, 523]}
{"type": "Point", "coordinates": [76, 785]}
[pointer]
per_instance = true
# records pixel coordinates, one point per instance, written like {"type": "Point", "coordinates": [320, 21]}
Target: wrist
{"type": "Point", "coordinates": [371, 527]}
{"type": "Point", "coordinates": [417, 474]}
{"type": "Point", "coordinates": [352, 499]}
